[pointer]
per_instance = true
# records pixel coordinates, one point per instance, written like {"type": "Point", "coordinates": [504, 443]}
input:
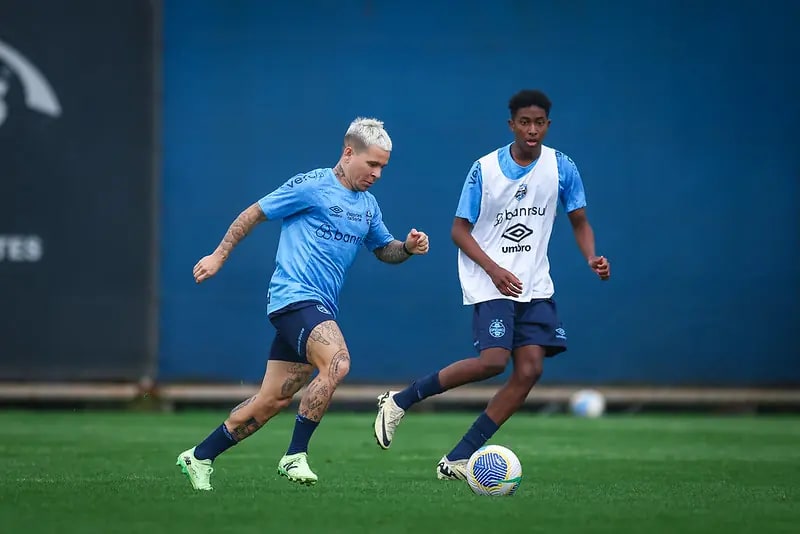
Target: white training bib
{"type": "Point", "coordinates": [513, 228]}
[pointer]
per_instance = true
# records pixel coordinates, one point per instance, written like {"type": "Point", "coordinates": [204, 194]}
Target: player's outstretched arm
{"type": "Point", "coordinates": [584, 235]}
{"type": "Point", "coordinates": [505, 281]}
{"type": "Point", "coordinates": [399, 251]}
{"type": "Point", "coordinates": [238, 230]}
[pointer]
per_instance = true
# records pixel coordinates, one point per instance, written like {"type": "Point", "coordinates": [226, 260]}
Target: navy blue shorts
{"type": "Point", "coordinates": [293, 324]}
{"type": "Point", "coordinates": [509, 324]}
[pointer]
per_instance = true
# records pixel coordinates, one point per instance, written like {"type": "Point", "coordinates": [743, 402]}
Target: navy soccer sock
{"type": "Point", "coordinates": [479, 433]}
{"type": "Point", "coordinates": [303, 429]}
{"type": "Point", "coordinates": [219, 441]}
{"type": "Point", "coordinates": [418, 390]}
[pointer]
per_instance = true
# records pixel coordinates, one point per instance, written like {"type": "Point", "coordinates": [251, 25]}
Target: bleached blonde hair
{"type": "Point", "coordinates": [364, 133]}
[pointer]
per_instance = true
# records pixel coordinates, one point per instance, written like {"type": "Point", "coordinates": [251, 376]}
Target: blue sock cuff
{"type": "Point", "coordinates": [485, 425]}
{"type": "Point", "coordinates": [428, 386]}
{"type": "Point", "coordinates": [476, 437]}
{"type": "Point", "coordinates": [305, 420]}
{"type": "Point", "coordinates": [219, 441]}
{"type": "Point", "coordinates": [303, 429]}
{"type": "Point", "coordinates": [228, 434]}
{"type": "Point", "coordinates": [423, 388]}
{"type": "Point", "coordinates": [434, 386]}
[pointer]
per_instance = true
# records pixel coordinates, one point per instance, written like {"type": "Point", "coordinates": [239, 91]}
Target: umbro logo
{"type": "Point", "coordinates": [517, 232]}
{"type": "Point", "coordinates": [336, 211]}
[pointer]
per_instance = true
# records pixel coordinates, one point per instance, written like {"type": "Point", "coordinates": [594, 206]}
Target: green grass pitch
{"type": "Point", "coordinates": [114, 472]}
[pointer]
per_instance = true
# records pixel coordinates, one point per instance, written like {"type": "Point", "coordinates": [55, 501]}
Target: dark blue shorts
{"type": "Point", "coordinates": [509, 324]}
{"type": "Point", "coordinates": [293, 324]}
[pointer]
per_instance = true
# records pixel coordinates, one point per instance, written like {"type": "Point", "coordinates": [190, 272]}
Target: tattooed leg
{"type": "Point", "coordinates": [318, 396]}
{"type": "Point", "coordinates": [246, 429]}
{"type": "Point", "coordinates": [327, 350]}
{"type": "Point", "coordinates": [339, 367]}
{"type": "Point", "coordinates": [316, 399]}
{"type": "Point", "coordinates": [281, 381]}
{"type": "Point", "coordinates": [296, 379]}
{"type": "Point", "coordinates": [244, 403]}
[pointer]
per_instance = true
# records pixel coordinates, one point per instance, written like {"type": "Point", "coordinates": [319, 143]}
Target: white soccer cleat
{"type": "Point", "coordinates": [389, 416]}
{"type": "Point", "coordinates": [447, 470]}
{"type": "Point", "coordinates": [198, 471]}
{"type": "Point", "coordinates": [295, 468]}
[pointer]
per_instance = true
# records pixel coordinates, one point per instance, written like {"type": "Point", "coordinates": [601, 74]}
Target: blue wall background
{"type": "Point", "coordinates": [681, 116]}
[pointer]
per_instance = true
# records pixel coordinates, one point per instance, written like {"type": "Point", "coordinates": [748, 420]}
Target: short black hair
{"type": "Point", "coordinates": [527, 98]}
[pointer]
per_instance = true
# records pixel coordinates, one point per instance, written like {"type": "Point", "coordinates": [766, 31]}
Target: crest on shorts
{"type": "Point", "coordinates": [497, 328]}
{"type": "Point", "coordinates": [521, 192]}
{"type": "Point", "coordinates": [323, 309]}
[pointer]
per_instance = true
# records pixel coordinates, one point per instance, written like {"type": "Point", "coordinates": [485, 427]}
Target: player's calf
{"type": "Point", "coordinates": [249, 416]}
{"type": "Point", "coordinates": [512, 395]}
{"type": "Point", "coordinates": [491, 362]}
{"type": "Point", "coordinates": [313, 407]}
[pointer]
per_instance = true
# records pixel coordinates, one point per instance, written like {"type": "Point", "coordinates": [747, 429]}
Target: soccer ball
{"type": "Point", "coordinates": [587, 403]}
{"type": "Point", "coordinates": [494, 470]}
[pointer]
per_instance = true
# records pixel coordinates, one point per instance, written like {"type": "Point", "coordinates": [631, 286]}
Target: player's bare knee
{"type": "Point", "coordinates": [527, 371]}
{"type": "Point", "coordinates": [493, 361]}
{"type": "Point", "coordinates": [530, 375]}
{"type": "Point", "coordinates": [339, 367]}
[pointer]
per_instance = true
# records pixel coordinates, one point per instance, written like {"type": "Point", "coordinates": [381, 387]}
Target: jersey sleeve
{"type": "Point", "coordinates": [469, 205]}
{"type": "Point", "coordinates": [570, 186]}
{"type": "Point", "coordinates": [296, 195]}
{"type": "Point", "coordinates": [378, 235]}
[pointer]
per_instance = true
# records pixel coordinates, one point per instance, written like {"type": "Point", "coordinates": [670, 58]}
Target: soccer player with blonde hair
{"type": "Point", "coordinates": [327, 215]}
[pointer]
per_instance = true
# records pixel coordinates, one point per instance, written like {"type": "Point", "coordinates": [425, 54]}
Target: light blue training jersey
{"type": "Point", "coordinates": [571, 193]}
{"type": "Point", "coordinates": [324, 225]}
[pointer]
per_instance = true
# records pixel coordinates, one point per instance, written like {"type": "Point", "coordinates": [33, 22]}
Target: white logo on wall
{"type": "Point", "coordinates": [21, 248]}
{"type": "Point", "coordinates": [39, 95]}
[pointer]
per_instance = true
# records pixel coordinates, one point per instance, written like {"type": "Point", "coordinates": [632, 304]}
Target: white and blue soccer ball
{"type": "Point", "coordinates": [587, 403]}
{"type": "Point", "coordinates": [494, 470]}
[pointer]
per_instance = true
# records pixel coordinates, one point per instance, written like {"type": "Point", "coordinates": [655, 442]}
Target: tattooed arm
{"type": "Point", "coordinates": [399, 251]}
{"type": "Point", "coordinates": [394, 252]}
{"type": "Point", "coordinates": [244, 223]}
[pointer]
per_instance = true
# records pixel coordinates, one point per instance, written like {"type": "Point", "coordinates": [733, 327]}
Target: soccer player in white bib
{"type": "Point", "coordinates": [327, 215]}
{"type": "Point", "coordinates": [502, 229]}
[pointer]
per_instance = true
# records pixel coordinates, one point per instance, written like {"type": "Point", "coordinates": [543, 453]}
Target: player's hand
{"type": "Point", "coordinates": [207, 267]}
{"type": "Point", "coordinates": [417, 242]}
{"type": "Point", "coordinates": [600, 265]}
{"type": "Point", "coordinates": [505, 282]}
